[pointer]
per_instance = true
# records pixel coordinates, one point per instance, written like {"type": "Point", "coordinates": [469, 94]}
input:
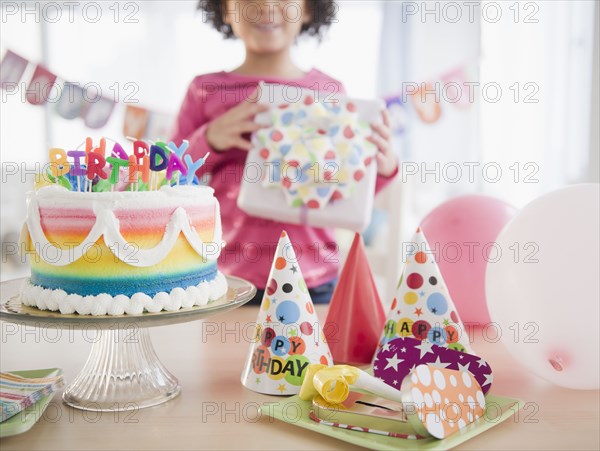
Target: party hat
{"type": "Point", "coordinates": [399, 357]}
{"type": "Point", "coordinates": [287, 337]}
{"type": "Point", "coordinates": [356, 315]}
{"type": "Point", "coordinates": [423, 308]}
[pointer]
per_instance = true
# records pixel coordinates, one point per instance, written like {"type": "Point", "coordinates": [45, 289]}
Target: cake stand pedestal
{"type": "Point", "coordinates": [122, 371]}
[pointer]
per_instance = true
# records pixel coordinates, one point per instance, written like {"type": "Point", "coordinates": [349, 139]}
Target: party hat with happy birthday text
{"type": "Point", "coordinates": [288, 336]}
{"type": "Point", "coordinates": [356, 315]}
{"type": "Point", "coordinates": [423, 308]}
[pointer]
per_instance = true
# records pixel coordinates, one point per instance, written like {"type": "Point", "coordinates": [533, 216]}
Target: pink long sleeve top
{"type": "Point", "coordinates": [251, 241]}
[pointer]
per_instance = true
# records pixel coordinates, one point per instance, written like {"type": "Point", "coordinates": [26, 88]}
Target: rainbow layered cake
{"type": "Point", "coordinates": [116, 252]}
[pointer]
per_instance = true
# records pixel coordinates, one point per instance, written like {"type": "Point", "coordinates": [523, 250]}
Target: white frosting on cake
{"type": "Point", "coordinates": [105, 304]}
{"type": "Point", "coordinates": [107, 224]}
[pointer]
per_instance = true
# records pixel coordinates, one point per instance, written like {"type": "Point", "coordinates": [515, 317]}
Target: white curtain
{"type": "Point", "coordinates": [536, 57]}
{"type": "Point", "coordinates": [528, 131]}
{"type": "Point", "coordinates": [423, 42]}
{"type": "Point", "coordinates": [417, 46]}
{"type": "Point", "coordinates": [539, 131]}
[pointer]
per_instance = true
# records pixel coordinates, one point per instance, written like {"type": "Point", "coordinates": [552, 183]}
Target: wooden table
{"type": "Point", "coordinates": [214, 410]}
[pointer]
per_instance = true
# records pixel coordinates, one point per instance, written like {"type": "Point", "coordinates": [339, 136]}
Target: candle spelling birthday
{"type": "Point", "coordinates": [149, 166]}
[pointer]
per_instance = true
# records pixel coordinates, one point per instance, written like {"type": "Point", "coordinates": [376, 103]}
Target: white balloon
{"type": "Point", "coordinates": [544, 292]}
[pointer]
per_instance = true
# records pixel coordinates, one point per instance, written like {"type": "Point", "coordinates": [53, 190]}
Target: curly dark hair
{"type": "Point", "coordinates": [322, 13]}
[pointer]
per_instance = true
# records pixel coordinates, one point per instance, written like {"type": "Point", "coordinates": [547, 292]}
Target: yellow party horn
{"type": "Point", "coordinates": [333, 383]}
{"type": "Point", "coordinates": [432, 401]}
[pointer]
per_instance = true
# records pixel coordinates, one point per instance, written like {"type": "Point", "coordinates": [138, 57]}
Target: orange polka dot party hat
{"type": "Point", "coordinates": [422, 307]}
{"type": "Point", "coordinates": [288, 336]}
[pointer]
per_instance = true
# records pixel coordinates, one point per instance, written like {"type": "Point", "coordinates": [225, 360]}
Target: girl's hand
{"type": "Point", "coordinates": [225, 132]}
{"type": "Point", "coordinates": [387, 162]}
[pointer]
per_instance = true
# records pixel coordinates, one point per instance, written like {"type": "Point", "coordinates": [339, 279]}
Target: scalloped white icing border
{"type": "Point", "coordinates": [107, 225]}
{"type": "Point", "coordinates": [105, 304]}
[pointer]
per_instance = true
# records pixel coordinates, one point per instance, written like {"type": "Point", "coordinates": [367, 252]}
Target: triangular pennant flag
{"type": "Point", "coordinates": [96, 114]}
{"type": "Point", "coordinates": [423, 308]}
{"type": "Point", "coordinates": [456, 88]}
{"type": "Point", "coordinates": [427, 107]}
{"type": "Point", "coordinates": [356, 315]}
{"type": "Point", "coordinates": [288, 337]}
{"type": "Point", "coordinates": [12, 68]}
{"type": "Point", "coordinates": [398, 113]}
{"type": "Point", "coordinates": [71, 101]}
{"type": "Point", "coordinates": [160, 124]}
{"type": "Point", "coordinates": [136, 122]}
{"type": "Point", "coordinates": [40, 85]}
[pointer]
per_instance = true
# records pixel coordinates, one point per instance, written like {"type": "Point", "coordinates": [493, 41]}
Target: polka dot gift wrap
{"type": "Point", "coordinates": [312, 164]}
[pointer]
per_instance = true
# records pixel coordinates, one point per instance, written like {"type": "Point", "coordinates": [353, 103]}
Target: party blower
{"type": "Point", "coordinates": [432, 401]}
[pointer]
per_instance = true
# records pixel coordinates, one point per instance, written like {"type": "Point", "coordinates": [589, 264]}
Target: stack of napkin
{"type": "Point", "coordinates": [18, 393]}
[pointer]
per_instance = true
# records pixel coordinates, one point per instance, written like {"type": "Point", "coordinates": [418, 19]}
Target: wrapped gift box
{"type": "Point", "coordinates": [312, 164]}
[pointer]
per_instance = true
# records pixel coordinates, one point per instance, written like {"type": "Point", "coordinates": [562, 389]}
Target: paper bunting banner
{"type": "Point", "coordinates": [40, 85]}
{"type": "Point", "coordinates": [311, 144]}
{"type": "Point", "coordinates": [96, 114]}
{"type": "Point", "coordinates": [423, 308]}
{"type": "Point", "coordinates": [397, 358]}
{"type": "Point", "coordinates": [12, 68]}
{"type": "Point", "coordinates": [426, 101]}
{"type": "Point", "coordinates": [288, 337]}
{"type": "Point", "coordinates": [355, 315]}
{"type": "Point", "coordinates": [71, 101]}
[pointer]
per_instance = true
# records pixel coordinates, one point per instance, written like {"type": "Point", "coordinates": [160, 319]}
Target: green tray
{"type": "Point", "coordinates": [24, 420]}
{"type": "Point", "coordinates": [295, 411]}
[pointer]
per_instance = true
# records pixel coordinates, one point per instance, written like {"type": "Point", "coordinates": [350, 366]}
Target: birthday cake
{"type": "Point", "coordinates": [99, 251]}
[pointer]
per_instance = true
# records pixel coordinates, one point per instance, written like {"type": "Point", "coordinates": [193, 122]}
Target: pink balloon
{"type": "Point", "coordinates": [462, 234]}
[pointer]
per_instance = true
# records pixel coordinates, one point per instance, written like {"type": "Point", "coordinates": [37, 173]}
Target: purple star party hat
{"type": "Point", "coordinates": [400, 356]}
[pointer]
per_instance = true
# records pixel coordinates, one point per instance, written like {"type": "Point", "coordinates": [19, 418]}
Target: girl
{"type": "Point", "coordinates": [217, 117]}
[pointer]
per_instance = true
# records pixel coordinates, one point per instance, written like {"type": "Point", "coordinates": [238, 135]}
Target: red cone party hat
{"type": "Point", "coordinates": [288, 337]}
{"type": "Point", "coordinates": [423, 308]}
{"type": "Point", "coordinates": [356, 315]}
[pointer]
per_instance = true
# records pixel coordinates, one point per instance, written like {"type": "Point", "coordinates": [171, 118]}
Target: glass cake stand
{"type": "Point", "coordinates": [122, 371]}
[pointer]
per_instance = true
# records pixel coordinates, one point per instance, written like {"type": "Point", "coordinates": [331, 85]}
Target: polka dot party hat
{"type": "Point", "coordinates": [442, 401]}
{"type": "Point", "coordinates": [287, 337]}
{"type": "Point", "coordinates": [423, 308]}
